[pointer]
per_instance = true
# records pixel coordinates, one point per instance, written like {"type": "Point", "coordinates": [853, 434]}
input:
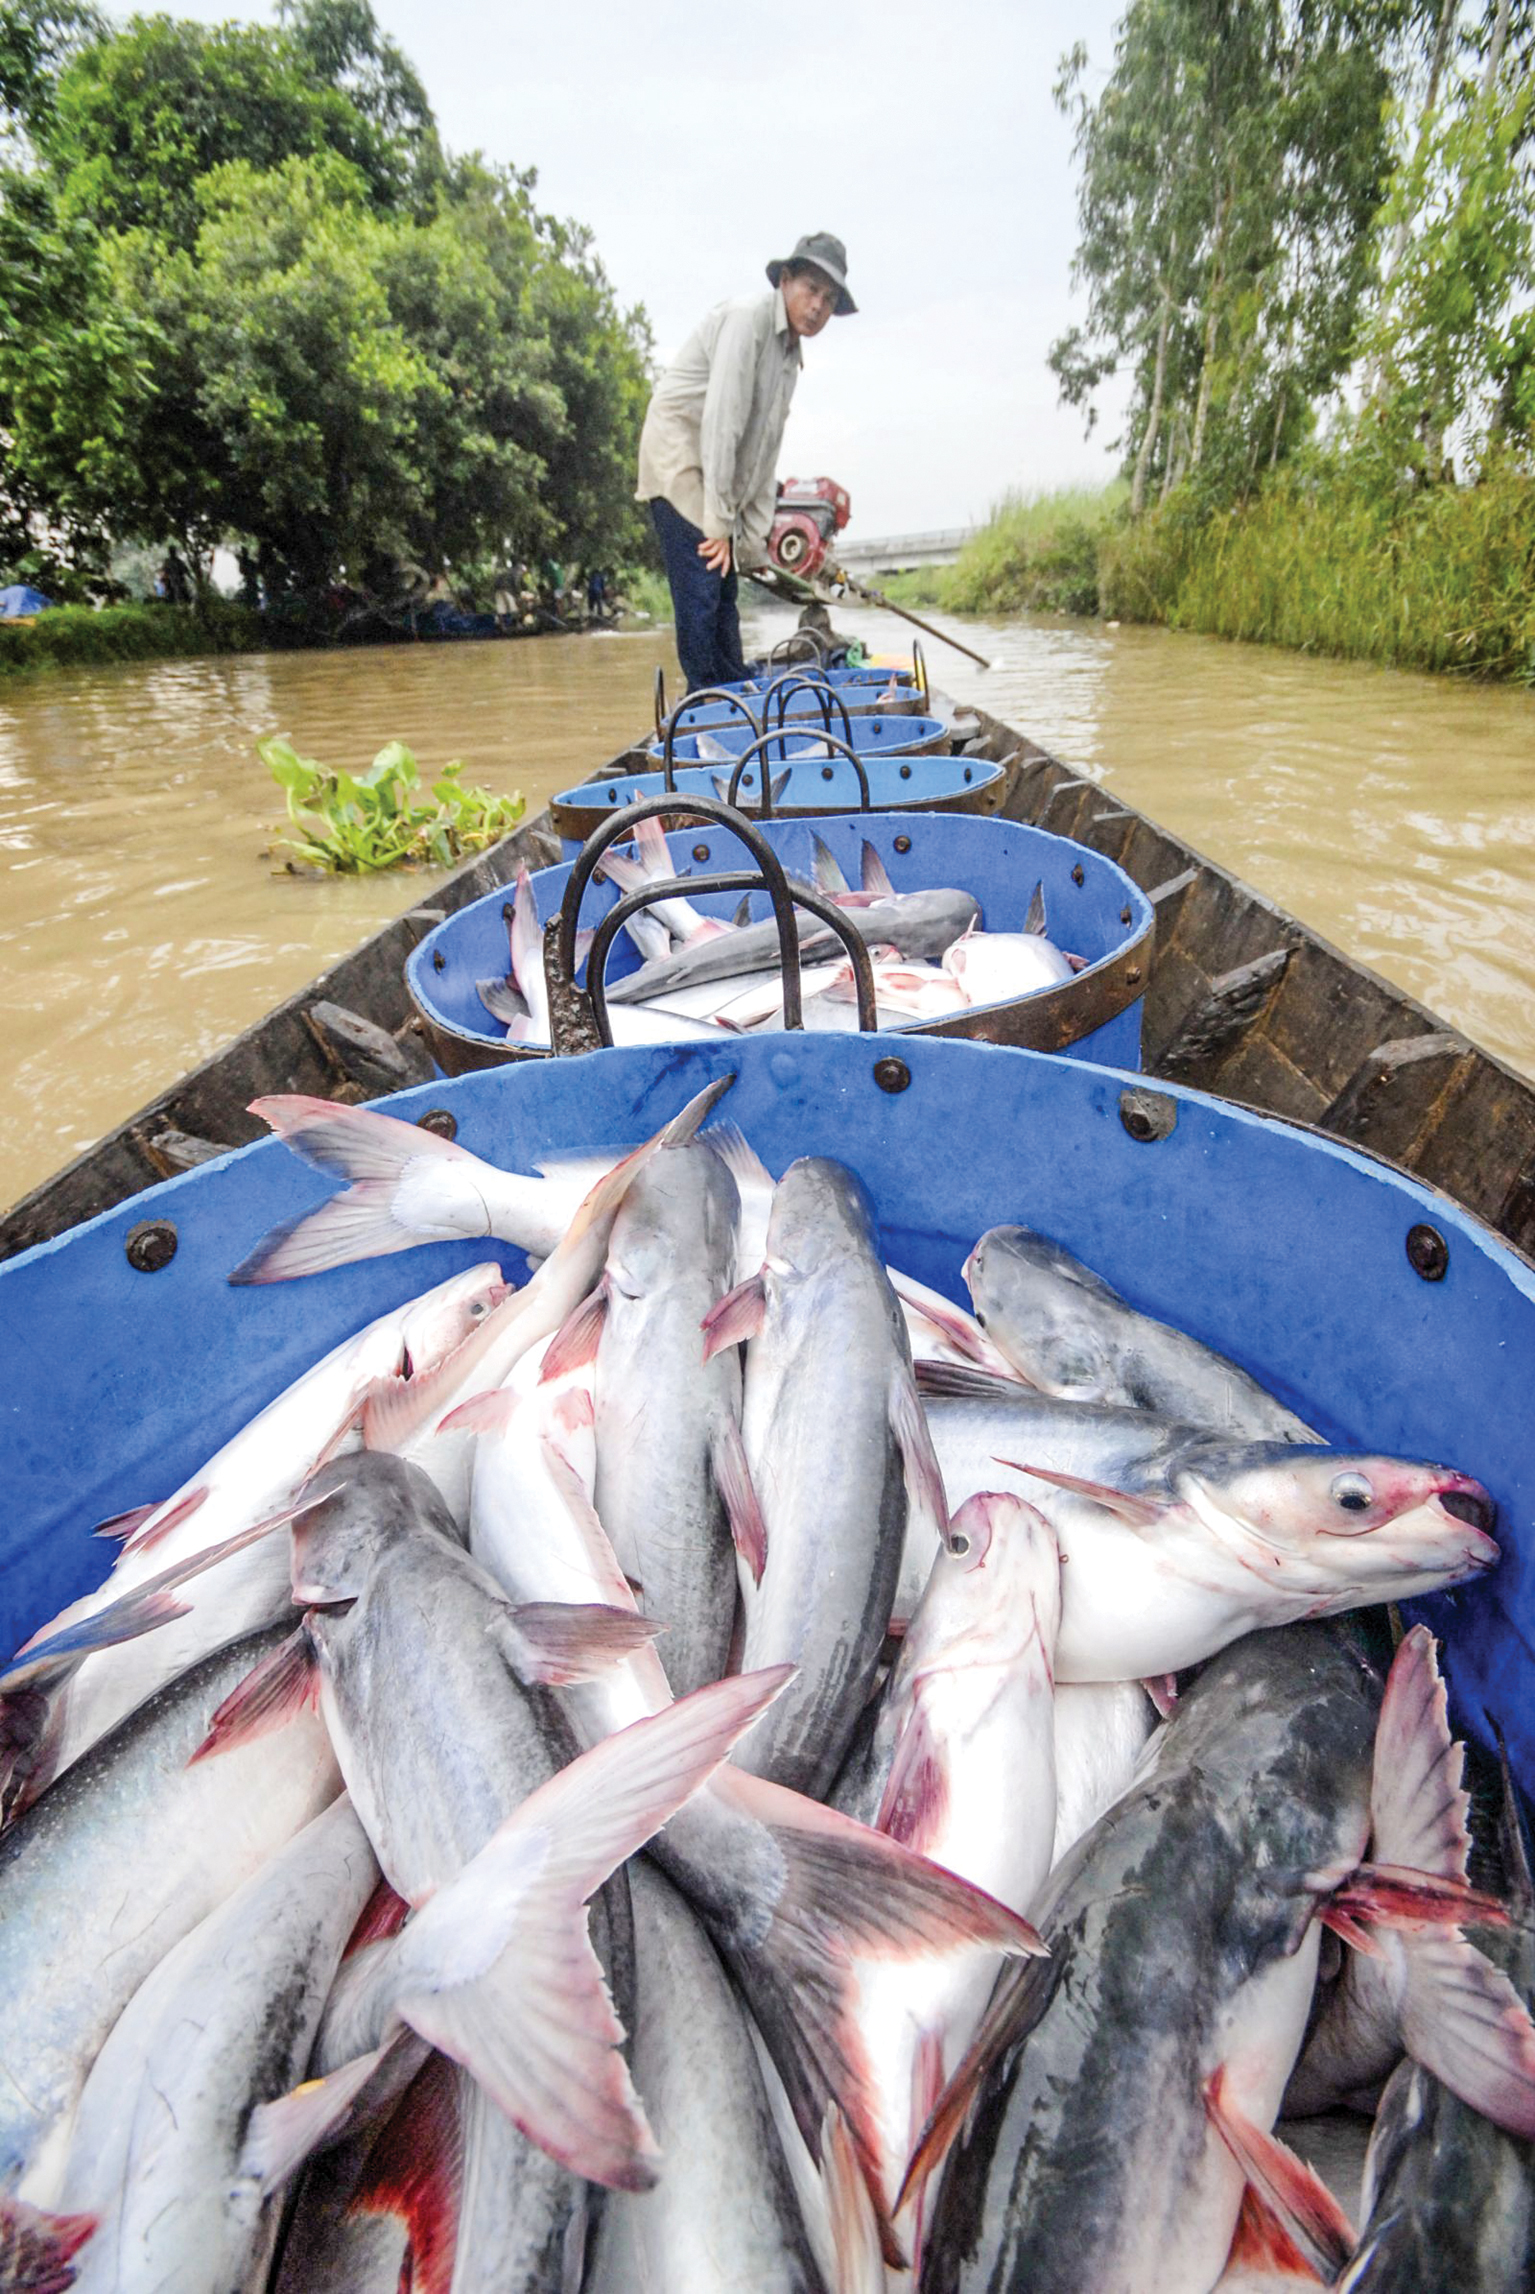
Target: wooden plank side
{"type": "Point", "coordinates": [1258, 1074]}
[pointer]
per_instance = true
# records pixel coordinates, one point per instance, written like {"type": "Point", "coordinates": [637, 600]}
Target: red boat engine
{"type": "Point", "coordinates": [810, 512]}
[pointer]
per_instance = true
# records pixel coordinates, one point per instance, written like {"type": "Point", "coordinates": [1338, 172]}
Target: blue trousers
{"type": "Point", "coordinates": [704, 603]}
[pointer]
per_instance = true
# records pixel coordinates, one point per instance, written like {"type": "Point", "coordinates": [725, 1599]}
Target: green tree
{"type": "Point", "coordinates": [73, 359]}
{"type": "Point", "coordinates": [1449, 350]}
{"type": "Point", "coordinates": [1231, 171]}
{"type": "Point", "coordinates": [37, 39]}
{"type": "Point", "coordinates": [139, 119]}
{"type": "Point", "coordinates": [244, 294]}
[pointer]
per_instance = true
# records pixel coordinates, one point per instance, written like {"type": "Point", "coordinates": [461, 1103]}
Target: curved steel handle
{"type": "Point", "coordinates": [810, 637]}
{"type": "Point", "coordinates": [768, 875]}
{"type": "Point", "coordinates": [668, 732]}
{"type": "Point", "coordinates": [782, 687]}
{"type": "Point", "coordinates": [833, 741]}
{"type": "Point", "coordinates": [660, 696]}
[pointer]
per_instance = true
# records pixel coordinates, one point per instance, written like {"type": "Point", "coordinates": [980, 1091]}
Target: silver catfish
{"type": "Point", "coordinates": [1070, 1333]}
{"type": "Point", "coordinates": [1130, 2094]}
{"type": "Point", "coordinates": [723, 2218]}
{"type": "Point", "coordinates": [1449, 2196]}
{"type": "Point", "coordinates": [673, 1491]}
{"type": "Point", "coordinates": [791, 1893]}
{"type": "Point", "coordinates": [966, 1730]}
{"type": "Point", "coordinates": [1176, 1542]}
{"type": "Point", "coordinates": [444, 1749]}
{"type": "Point", "coordinates": [224, 2023]}
{"type": "Point", "coordinates": [915, 923]}
{"type": "Point", "coordinates": [254, 1475]}
{"type": "Point", "coordinates": [839, 1456]}
{"type": "Point", "coordinates": [112, 1867]}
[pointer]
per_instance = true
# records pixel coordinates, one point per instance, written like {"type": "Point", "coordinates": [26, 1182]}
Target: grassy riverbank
{"type": "Point", "coordinates": [1321, 561]}
{"type": "Point", "coordinates": [79, 636]}
{"type": "Point", "coordinates": [75, 636]}
{"type": "Point", "coordinates": [1443, 578]}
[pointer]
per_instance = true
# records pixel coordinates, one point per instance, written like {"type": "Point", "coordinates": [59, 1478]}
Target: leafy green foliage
{"type": "Point", "coordinates": [246, 297]}
{"type": "Point", "coordinates": [1442, 578]}
{"type": "Point", "coordinates": [1230, 172]}
{"type": "Point", "coordinates": [381, 818]}
{"type": "Point", "coordinates": [1327, 302]}
{"type": "Point", "coordinates": [1035, 551]}
{"type": "Point", "coordinates": [75, 636]}
{"type": "Point", "coordinates": [140, 117]}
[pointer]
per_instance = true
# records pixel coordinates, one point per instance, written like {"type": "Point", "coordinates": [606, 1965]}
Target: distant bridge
{"type": "Point", "coordinates": [896, 552]}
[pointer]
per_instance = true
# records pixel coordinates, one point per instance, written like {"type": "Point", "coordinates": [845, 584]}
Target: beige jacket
{"type": "Point", "coordinates": [716, 421]}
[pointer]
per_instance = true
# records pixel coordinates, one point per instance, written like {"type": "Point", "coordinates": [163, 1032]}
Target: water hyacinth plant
{"type": "Point", "coordinates": [383, 818]}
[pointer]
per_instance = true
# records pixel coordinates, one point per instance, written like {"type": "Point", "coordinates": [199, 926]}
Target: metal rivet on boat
{"type": "Point", "coordinates": [700, 852]}
{"type": "Point", "coordinates": [906, 772]}
{"type": "Point", "coordinates": [1428, 1254]}
{"type": "Point", "coordinates": [892, 1074]}
{"type": "Point", "coordinates": [612, 796]}
{"type": "Point", "coordinates": [439, 1120]}
{"type": "Point", "coordinates": [969, 773]}
{"type": "Point", "coordinates": [1078, 877]}
{"type": "Point", "coordinates": [1132, 973]}
{"type": "Point", "coordinates": [439, 960]}
{"type": "Point", "coordinates": [826, 772]}
{"type": "Point", "coordinates": [1147, 1115]}
{"type": "Point", "coordinates": [903, 844]}
{"type": "Point", "coordinates": [1124, 916]}
{"type": "Point", "coordinates": [150, 1245]}
{"type": "Point", "coordinates": [507, 910]}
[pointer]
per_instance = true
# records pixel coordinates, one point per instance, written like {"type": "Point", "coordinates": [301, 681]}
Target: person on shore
{"type": "Point", "coordinates": [175, 584]}
{"type": "Point", "coordinates": [709, 448]}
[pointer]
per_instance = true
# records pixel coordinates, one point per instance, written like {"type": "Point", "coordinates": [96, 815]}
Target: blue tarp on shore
{"type": "Point", "coordinates": [18, 601]}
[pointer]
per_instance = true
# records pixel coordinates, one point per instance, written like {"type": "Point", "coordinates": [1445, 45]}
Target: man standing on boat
{"type": "Point", "coordinates": [709, 448]}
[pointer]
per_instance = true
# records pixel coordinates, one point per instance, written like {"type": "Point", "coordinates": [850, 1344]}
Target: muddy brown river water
{"type": "Point", "coordinates": [141, 926]}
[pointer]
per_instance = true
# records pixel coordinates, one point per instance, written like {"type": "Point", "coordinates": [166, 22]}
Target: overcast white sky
{"type": "Point", "coordinates": [697, 140]}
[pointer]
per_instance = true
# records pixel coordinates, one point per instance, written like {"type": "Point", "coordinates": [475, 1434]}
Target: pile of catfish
{"type": "Point", "coordinates": [717, 1770]}
{"type": "Point", "coordinates": [930, 957]}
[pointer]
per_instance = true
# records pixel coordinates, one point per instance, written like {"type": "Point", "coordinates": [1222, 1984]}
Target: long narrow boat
{"type": "Point", "coordinates": [1243, 1000]}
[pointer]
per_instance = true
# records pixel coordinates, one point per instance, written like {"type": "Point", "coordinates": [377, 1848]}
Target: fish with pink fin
{"type": "Point", "coordinates": [1120, 2098]}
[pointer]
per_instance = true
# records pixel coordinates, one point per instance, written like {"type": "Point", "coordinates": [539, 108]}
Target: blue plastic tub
{"type": "Point", "coordinates": [812, 790]}
{"type": "Point", "coordinates": [1092, 909]}
{"type": "Point", "coordinates": [802, 699]}
{"type": "Point", "coordinates": [1286, 1250]}
{"type": "Point", "coordinates": [877, 736]}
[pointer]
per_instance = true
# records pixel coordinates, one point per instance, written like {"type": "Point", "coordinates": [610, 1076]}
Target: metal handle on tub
{"type": "Point", "coordinates": [833, 741]}
{"type": "Point", "coordinates": [768, 875]}
{"type": "Point", "coordinates": [811, 639]}
{"type": "Point", "coordinates": [668, 731]}
{"type": "Point", "coordinates": [782, 687]}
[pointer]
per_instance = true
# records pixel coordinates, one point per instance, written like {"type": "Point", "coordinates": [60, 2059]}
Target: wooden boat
{"type": "Point", "coordinates": [1243, 1000]}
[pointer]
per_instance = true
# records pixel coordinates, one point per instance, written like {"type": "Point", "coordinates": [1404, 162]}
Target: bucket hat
{"type": "Point", "coordinates": [828, 255]}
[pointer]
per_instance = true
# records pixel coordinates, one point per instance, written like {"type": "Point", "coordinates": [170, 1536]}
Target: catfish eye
{"type": "Point", "coordinates": [959, 1543]}
{"type": "Point", "coordinates": [1352, 1492]}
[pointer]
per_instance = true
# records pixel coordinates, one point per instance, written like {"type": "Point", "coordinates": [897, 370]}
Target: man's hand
{"type": "Point", "coordinates": [716, 555]}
